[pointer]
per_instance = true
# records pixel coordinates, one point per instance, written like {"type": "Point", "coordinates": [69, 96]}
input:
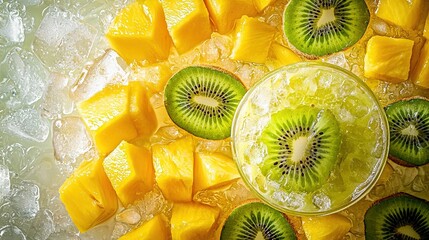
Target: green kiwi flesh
{"type": "Point", "coordinates": [256, 220]}
{"type": "Point", "coordinates": [400, 216]}
{"type": "Point", "coordinates": [302, 147]}
{"type": "Point", "coordinates": [409, 131]}
{"type": "Point", "coordinates": [322, 27]}
{"type": "Point", "coordinates": [202, 100]}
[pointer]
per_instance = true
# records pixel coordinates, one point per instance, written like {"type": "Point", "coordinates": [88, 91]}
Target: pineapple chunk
{"type": "Point", "coordinates": [130, 170]}
{"type": "Point", "coordinates": [331, 227]}
{"type": "Point", "coordinates": [155, 228]}
{"type": "Point", "coordinates": [404, 13]}
{"type": "Point", "coordinates": [174, 169]}
{"type": "Point", "coordinates": [188, 23]}
{"type": "Point", "coordinates": [388, 58]}
{"type": "Point", "coordinates": [88, 195]}
{"type": "Point", "coordinates": [192, 221]}
{"type": "Point", "coordinates": [262, 4]}
{"type": "Point", "coordinates": [139, 32]}
{"type": "Point", "coordinates": [225, 12]}
{"type": "Point", "coordinates": [141, 111]}
{"type": "Point", "coordinates": [213, 170]}
{"type": "Point", "coordinates": [283, 55]}
{"type": "Point", "coordinates": [252, 40]}
{"type": "Point", "coordinates": [420, 73]}
{"type": "Point", "coordinates": [108, 118]}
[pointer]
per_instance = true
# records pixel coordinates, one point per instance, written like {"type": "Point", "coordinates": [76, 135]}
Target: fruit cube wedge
{"type": "Point", "coordinates": [141, 111]}
{"type": "Point", "coordinates": [88, 195]}
{"type": "Point", "coordinates": [331, 227]}
{"type": "Point", "coordinates": [188, 23]}
{"type": "Point", "coordinates": [213, 170]}
{"type": "Point", "coordinates": [224, 13]}
{"type": "Point", "coordinates": [108, 118]}
{"type": "Point", "coordinates": [420, 73]}
{"type": "Point", "coordinates": [130, 170]}
{"type": "Point", "coordinates": [282, 55]}
{"type": "Point", "coordinates": [404, 13]}
{"type": "Point", "coordinates": [156, 228]}
{"type": "Point", "coordinates": [174, 169]}
{"type": "Point", "coordinates": [252, 40]}
{"type": "Point", "coordinates": [388, 59]}
{"type": "Point", "coordinates": [192, 221]}
{"type": "Point", "coordinates": [139, 32]}
{"type": "Point", "coordinates": [262, 4]}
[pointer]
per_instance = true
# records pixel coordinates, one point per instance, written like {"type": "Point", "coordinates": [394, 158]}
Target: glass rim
{"type": "Point", "coordinates": [379, 164]}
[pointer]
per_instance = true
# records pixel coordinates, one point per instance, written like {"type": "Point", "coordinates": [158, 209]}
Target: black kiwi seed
{"type": "Point", "coordinates": [302, 146]}
{"type": "Point", "coordinates": [202, 100]}
{"type": "Point", "coordinates": [322, 27]}
{"type": "Point", "coordinates": [409, 131]}
{"type": "Point", "coordinates": [256, 221]}
{"type": "Point", "coordinates": [400, 216]}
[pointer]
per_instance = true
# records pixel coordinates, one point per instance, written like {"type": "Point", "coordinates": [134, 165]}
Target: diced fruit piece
{"type": "Point", "coordinates": [283, 55]}
{"type": "Point", "coordinates": [154, 76]}
{"type": "Point", "coordinates": [88, 195]}
{"type": "Point", "coordinates": [130, 170]}
{"type": "Point", "coordinates": [329, 227]}
{"type": "Point", "coordinates": [225, 12]}
{"type": "Point", "coordinates": [404, 13]}
{"type": "Point", "coordinates": [192, 221]}
{"type": "Point", "coordinates": [141, 111]}
{"type": "Point", "coordinates": [188, 23]}
{"type": "Point", "coordinates": [262, 4]}
{"type": "Point", "coordinates": [212, 170]}
{"type": "Point", "coordinates": [155, 228]}
{"type": "Point", "coordinates": [388, 58]}
{"type": "Point", "coordinates": [420, 73]}
{"type": "Point", "coordinates": [252, 40]}
{"type": "Point", "coordinates": [108, 118]}
{"type": "Point", "coordinates": [139, 32]}
{"type": "Point", "coordinates": [174, 169]}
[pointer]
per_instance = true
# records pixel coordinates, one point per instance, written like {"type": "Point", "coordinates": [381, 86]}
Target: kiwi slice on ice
{"type": "Point", "coordinates": [202, 100]}
{"type": "Point", "coordinates": [400, 216]}
{"type": "Point", "coordinates": [409, 131]}
{"type": "Point", "coordinates": [321, 27]}
{"type": "Point", "coordinates": [256, 220]}
{"type": "Point", "coordinates": [302, 147]}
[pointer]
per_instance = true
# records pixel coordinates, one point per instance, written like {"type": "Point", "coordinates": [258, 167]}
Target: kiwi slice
{"type": "Point", "coordinates": [321, 27]}
{"type": "Point", "coordinates": [202, 100]}
{"type": "Point", "coordinates": [409, 131]}
{"type": "Point", "coordinates": [302, 147]}
{"type": "Point", "coordinates": [256, 220]}
{"type": "Point", "coordinates": [400, 216]}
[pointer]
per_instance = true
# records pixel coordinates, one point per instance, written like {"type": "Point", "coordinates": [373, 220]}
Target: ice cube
{"type": "Point", "coordinates": [338, 59]}
{"type": "Point", "coordinates": [4, 182]}
{"type": "Point", "coordinates": [11, 25]}
{"type": "Point", "coordinates": [31, 2]}
{"type": "Point", "coordinates": [26, 123]}
{"type": "Point", "coordinates": [43, 225]}
{"type": "Point", "coordinates": [24, 199]}
{"type": "Point", "coordinates": [108, 69]}
{"type": "Point", "coordinates": [57, 100]}
{"type": "Point", "coordinates": [27, 74]}
{"type": "Point", "coordinates": [321, 201]}
{"type": "Point", "coordinates": [290, 199]}
{"type": "Point", "coordinates": [71, 140]}
{"type": "Point", "coordinates": [11, 232]}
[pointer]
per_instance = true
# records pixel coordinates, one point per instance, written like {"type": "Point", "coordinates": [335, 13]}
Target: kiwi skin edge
{"type": "Point", "coordinates": [393, 158]}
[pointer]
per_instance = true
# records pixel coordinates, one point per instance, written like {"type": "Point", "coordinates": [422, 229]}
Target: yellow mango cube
{"type": "Point", "coordinates": [388, 59]}
{"type": "Point", "coordinates": [331, 227]}
{"type": "Point", "coordinates": [282, 55]}
{"type": "Point", "coordinates": [139, 32]}
{"type": "Point", "coordinates": [420, 73]}
{"type": "Point", "coordinates": [156, 228]}
{"type": "Point", "coordinates": [188, 23]}
{"type": "Point", "coordinates": [262, 4]}
{"type": "Point", "coordinates": [174, 169]}
{"type": "Point", "coordinates": [88, 195]}
{"type": "Point", "coordinates": [108, 118]}
{"type": "Point", "coordinates": [213, 170]}
{"type": "Point", "coordinates": [130, 170]}
{"type": "Point", "coordinates": [404, 13]}
{"type": "Point", "coordinates": [192, 221]}
{"type": "Point", "coordinates": [141, 111]}
{"type": "Point", "coordinates": [252, 41]}
{"type": "Point", "coordinates": [224, 13]}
